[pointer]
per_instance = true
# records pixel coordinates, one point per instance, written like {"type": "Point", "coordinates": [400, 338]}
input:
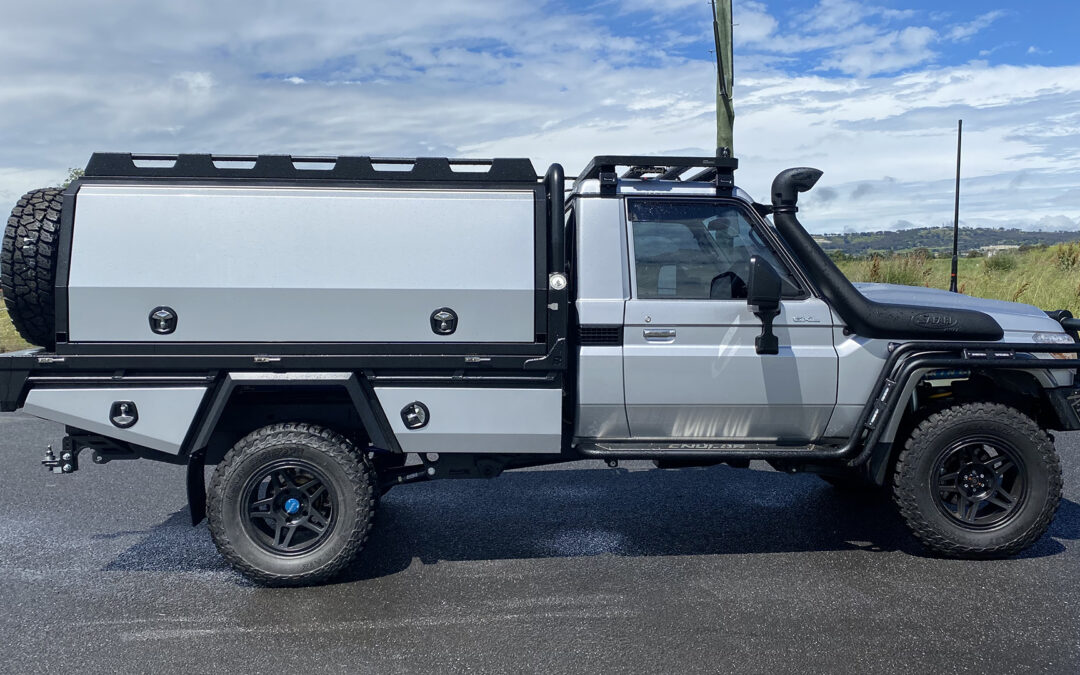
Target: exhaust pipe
{"type": "Point", "coordinates": [863, 316]}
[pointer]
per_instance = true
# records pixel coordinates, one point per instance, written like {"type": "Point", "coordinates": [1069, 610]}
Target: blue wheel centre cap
{"type": "Point", "coordinates": [292, 505]}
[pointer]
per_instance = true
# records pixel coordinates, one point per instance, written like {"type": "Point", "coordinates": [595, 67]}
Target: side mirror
{"type": "Point", "coordinates": [763, 297]}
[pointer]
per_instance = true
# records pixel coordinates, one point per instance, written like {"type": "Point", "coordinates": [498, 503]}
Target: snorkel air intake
{"type": "Point", "coordinates": [863, 316]}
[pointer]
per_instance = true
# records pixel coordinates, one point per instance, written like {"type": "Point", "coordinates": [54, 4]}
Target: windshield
{"type": "Point", "coordinates": [697, 250]}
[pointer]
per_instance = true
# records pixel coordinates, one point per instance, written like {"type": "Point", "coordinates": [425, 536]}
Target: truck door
{"type": "Point", "coordinates": [690, 366]}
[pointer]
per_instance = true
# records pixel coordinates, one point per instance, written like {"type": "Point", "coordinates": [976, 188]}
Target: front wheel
{"type": "Point", "coordinates": [979, 480]}
{"type": "Point", "coordinates": [291, 504]}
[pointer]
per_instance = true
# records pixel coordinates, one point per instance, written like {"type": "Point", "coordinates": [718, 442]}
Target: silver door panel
{"type": "Point", "coordinates": [744, 423]}
{"type": "Point", "coordinates": [698, 375]}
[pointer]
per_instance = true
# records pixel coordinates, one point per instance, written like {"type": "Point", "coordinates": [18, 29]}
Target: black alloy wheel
{"type": "Point", "coordinates": [290, 507]}
{"type": "Point", "coordinates": [978, 480]}
{"type": "Point", "coordinates": [292, 504]}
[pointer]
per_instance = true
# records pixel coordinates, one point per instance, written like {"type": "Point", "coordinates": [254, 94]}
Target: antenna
{"type": "Point", "coordinates": [956, 209]}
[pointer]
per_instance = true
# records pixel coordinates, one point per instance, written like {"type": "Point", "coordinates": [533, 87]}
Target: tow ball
{"type": "Point", "coordinates": [68, 462]}
{"type": "Point", "coordinates": [104, 451]}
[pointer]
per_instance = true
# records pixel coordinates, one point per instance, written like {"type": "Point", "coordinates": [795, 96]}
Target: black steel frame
{"type": "Point", "coordinates": [717, 170]}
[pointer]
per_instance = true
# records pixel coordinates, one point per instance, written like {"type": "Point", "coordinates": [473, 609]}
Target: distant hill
{"type": "Point", "coordinates": [937, 239]}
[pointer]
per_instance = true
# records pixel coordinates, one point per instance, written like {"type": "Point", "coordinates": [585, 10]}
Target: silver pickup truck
{"type": "Point", "coordinates": [322, 329]}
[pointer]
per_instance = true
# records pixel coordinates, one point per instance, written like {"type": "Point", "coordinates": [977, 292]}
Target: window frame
{"type": "Point", "coordinates": [768, 236]}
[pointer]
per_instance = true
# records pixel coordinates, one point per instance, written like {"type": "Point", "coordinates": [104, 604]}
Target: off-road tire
{"type": "Point", "coordinates": [914, 484]}
{"type": "Point", "coordinates": [28, 259]}
{"type": "Point", "coordinates": [347, 469]}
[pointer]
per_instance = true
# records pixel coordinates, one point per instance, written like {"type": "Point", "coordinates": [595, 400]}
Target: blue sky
{"type": "Point", "coordinates": [1040, 33]}
{"type": "Point", "coordinates": [867, 91]}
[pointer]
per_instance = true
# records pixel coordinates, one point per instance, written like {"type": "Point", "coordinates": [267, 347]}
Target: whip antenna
{"type": "Point", "coordinates": [956, 209]}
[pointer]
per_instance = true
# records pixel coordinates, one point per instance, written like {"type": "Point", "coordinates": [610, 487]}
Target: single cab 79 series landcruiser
{"type": "Point", "coordinates": [323, 329]}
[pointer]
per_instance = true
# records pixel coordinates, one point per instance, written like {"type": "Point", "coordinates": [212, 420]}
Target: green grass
{"type": "Point", "coordinates": [1047, 278]}
{"type": "Point", "coordinates": [9, 339]}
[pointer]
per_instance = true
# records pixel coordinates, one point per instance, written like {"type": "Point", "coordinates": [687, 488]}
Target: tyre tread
{"type": "Point", "coordinates": [28, 270]}
{"type": "Point", "coordinates": [904, 488]}
{"type": "Point", "coordinates": [353, 461]}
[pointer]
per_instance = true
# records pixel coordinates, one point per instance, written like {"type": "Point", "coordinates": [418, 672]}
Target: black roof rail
{"type": "Point", "coordinates": [289, 167]}
{"type": "Point", "coordinates": [718, 170]}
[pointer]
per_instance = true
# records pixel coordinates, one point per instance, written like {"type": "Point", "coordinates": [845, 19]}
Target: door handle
{"type": "Point", "coordinates": [659, 334]}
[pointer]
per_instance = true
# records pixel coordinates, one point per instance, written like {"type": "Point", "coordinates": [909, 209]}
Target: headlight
{"type": "Point", "coordinates": [1052, 338]}
{"type": "Point", "coordinates": [1055, 339]}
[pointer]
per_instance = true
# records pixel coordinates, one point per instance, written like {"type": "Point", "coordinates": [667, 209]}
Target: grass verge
{"type": "Point", "coordinates": [9, 339]}
{"type": "Point", "coordinates": [1047, 278]}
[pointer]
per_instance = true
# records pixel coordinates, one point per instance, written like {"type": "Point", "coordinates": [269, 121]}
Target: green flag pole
{"type": "Point", "coordinates": [725, 80]}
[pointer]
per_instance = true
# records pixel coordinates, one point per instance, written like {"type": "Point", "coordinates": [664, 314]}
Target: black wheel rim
{"type": "Point", "coordinates": [980, 482]}
{"type": "Point", "coordinates": [288, 507]}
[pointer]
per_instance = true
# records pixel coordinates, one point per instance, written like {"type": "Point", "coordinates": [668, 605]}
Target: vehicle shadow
{"type": "Point", "coordinates": [712, 511]}
{"type": "Point", "coordinates": [587, 512]}
{"type": "Point", "coordinates": [171, 546]}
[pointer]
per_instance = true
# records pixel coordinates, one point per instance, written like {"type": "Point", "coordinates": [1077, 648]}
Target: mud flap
{"type": "Point", "coordinates": [196, 487]}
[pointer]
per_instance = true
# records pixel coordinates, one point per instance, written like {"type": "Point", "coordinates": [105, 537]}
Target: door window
{"type": "Point", "coordinates": [697, 250]}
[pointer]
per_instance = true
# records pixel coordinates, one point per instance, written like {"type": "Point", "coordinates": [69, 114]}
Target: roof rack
{"type": "Point", "coordinates": [718, 170]}
{"type": "Point", "coordinates": [288, 167]}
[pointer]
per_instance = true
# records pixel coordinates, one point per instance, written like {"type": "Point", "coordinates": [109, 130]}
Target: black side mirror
{"type": "Point", "coordinates": [763, 297]}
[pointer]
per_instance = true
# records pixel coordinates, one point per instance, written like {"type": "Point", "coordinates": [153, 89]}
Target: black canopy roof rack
{"type": "Point", "coordinates": [718, 170]}
{"type": "Point", "coordinates": [289, 167]}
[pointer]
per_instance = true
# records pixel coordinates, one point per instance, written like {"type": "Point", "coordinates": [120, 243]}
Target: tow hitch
{"type": "Point", "coordinates": [104, 450]}
{"type": "Point", "coordinates": [68, 462]}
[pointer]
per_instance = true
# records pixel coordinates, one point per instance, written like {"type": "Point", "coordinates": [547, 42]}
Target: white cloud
{"type": "Point", "coordinates": [846, 35]}
{"type": "Point", "coordinates": [965, 31]}
{"type": "Point", "coordinates": [752, 23]}
{"type": "Point", "coordinates": [886, 54]}
{"type": "Point", "coordinates": [836, 15]}
{"type": "Point", "coordinates": [196, 83]}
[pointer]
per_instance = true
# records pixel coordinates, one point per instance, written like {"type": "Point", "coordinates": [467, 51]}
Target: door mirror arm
{"type": "Point", "coordinates": [763, 297]}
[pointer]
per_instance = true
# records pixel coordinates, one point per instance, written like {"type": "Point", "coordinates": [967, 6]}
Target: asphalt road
{"type": "Point", "coordinates": [572, 569]}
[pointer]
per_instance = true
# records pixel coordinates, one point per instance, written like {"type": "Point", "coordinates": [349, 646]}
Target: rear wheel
{"type": "Point", "coordinates": [979, 480]}
{"type": "Point", "coordinates": [291, 504]}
